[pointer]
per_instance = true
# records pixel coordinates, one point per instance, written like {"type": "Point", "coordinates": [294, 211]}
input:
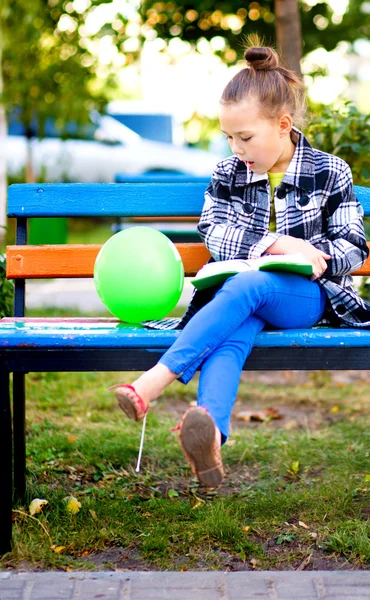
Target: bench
{"type": "Point", "coordinates": [177, 229]}
{"type": "Point", "coordinates": [105, 344]}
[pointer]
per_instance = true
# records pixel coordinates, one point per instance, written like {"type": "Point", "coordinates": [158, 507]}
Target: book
{"type": "Point", "coordinates": [216, 273]}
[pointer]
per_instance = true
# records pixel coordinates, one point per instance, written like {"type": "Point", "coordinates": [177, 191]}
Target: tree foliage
{"type": "Point", "coordinates": [233, 20]}
{"type": "Point", "coordinates": [49, 68]}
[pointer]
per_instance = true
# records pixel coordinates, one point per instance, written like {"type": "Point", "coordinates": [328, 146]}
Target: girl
{"type": "Point", "coordinates": [273, 174]}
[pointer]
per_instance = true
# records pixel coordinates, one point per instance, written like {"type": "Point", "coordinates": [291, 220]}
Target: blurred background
{"type": "Point", "coordinates": [97, 91]}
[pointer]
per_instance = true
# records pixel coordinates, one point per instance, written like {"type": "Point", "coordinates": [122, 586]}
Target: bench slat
{"type": "Point", "coordinates": [111, 333]}
{"type": "Point", "coordinates": [105, 199]}
{"type": "Point", "coordinates": [116, 199]}
{"type": "Point", "coordinates": [77, 260]}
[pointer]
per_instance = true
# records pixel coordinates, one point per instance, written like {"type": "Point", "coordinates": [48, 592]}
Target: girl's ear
{"type": "Point", "coordinates": [285, 124]}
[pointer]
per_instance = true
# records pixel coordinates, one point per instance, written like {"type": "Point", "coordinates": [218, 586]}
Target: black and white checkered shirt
{"type": "Point", "coordinates": [315, 202]}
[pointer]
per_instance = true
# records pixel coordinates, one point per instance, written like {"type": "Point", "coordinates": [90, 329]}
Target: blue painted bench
{"type": "Point", "coordinates": [65, 344]}
{"type": "Point", "coordinates": [178, 231]}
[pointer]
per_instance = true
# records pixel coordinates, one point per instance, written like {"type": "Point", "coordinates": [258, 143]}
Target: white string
{"type": "Point", "coordinates": [141, 444]}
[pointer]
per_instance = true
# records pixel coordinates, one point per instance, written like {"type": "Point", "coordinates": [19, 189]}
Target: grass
{"type": "Point", "coordinates": [296, 489]}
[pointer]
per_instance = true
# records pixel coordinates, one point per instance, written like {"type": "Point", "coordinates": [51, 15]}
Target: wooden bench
{"type": "Point", "coordinates": [104, 344]}
{"type": "Point", "coordinates": [177, 229]}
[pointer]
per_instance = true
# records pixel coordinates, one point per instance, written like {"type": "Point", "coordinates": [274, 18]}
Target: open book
{"type": "Point", "coordinates": [216, 273]}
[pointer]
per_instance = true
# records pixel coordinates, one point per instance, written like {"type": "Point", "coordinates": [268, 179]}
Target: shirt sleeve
{"type": "Point", "coordinates": [346, 240]}
{"type": "Point", "coordinates": [220, 230]}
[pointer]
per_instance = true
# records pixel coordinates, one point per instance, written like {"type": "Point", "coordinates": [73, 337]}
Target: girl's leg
{"type": "Point", "coordinates": [239, 297]}
{"type": "Point", "coordinates": [220, 371]}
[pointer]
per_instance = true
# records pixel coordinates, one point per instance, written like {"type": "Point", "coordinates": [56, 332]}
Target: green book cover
{"type": "Point", "coordinates": [216, 273]}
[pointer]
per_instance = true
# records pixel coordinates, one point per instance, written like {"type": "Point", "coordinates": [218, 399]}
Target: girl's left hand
{"type": "Point", "coordinates": [287, 244]}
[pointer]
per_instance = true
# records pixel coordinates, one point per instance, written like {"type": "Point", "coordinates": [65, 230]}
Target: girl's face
{"type": "Point", "coordinates": [263, 144]}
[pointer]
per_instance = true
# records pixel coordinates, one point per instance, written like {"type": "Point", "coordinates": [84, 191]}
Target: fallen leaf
{"type": "Point", "coordinates": [173, 494]}
{"type": "Point", "coordinates": [304, 563]}
{"type": "Point", "coordinates": [246, 528]}
{"type": "Point", "coordinates": [73, 505]}
{"type": "Point", "coordinates": [259, 415]}
{"type": "Point", "coordinates": [198, 502]}
{"type": "Point", "coordinates": [71, 438]}
{"type": "Point", "coordinates": [37, 505]}
{"type": "Point", "coordinates": [301, 524]}
{"type": "Point", "coordinates": [313, 535]}
{"type": "Point", "coordinates": [254, 563]}
{"type": "Point", "coordinates": [335, 409]}
{"type": "Point", "coordinates": [93, 514]}
{"type": "Point", "coordinates": [59, 549]}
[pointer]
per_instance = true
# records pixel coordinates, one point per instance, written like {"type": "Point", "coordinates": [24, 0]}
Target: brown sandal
{"type": "Point", "coordinates": [130, 402]}
{"type": "Point", "coordinates": [199, 443]}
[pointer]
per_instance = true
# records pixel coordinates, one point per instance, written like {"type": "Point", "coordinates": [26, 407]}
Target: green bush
{"type": "Point", "coordinates": [344, 132]}
{"type": "Point", "coordinates": [6, 291]}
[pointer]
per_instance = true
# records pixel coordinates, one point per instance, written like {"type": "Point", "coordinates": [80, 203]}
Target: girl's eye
{"type": "Point", "coordinates": [245, 139]}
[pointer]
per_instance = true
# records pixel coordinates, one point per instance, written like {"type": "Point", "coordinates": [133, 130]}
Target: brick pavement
{"type": "Point", "coordinates": [190, 585]}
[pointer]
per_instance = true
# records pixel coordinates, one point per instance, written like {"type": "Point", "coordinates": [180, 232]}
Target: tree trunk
{"type": "Point", "coordinates": [288, 33]}
{"type": "Point", "coordinates": [3, 131]}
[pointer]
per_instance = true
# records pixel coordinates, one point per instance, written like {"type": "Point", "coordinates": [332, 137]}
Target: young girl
{"type": "Point", "coordinates": [273, 174]}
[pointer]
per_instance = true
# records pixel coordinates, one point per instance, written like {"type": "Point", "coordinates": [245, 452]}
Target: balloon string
{"type": "Point", "coordinates": [141, 445]}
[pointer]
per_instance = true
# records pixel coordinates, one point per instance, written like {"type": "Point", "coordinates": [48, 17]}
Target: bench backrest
{"type": "Point", "coordinates": [133, 199]}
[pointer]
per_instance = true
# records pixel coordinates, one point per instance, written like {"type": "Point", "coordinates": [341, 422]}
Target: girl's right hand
{"type": "Point", "coordinates": [287, 244]}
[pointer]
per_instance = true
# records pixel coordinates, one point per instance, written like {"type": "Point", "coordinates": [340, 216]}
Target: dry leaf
{"type": "Point", "coordinates": [301, 524]}
{"type": "Point", "coordinates": [313, 535]}
{"type": "Point", "coordinates": [59, 549]}
{"type": "Point", "coordinates": [259, 415]}
{"type": "Point", "coordinates": [246, 528]}
{"type": "Point", "coordinates": [37, 505]}
{"type": "Point", "coordinates": [73, 505]}
{"type": "Point", "coordinates": [71, 438]}
{"type": "Point", "coordinates": [93, 514]}
{"type": "Point", "coordinates": [254, 563]}
{"type": "Point", "coordinates": [304, 563]}
{"type": "Point", "coordinates": [198, 502]}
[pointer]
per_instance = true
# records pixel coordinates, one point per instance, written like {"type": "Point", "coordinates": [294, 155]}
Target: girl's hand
{"type": "Point", "coordinates": [287, 244]}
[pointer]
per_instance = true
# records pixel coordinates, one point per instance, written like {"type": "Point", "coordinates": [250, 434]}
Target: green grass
{"type": "Point", "coordinates": [310, 467]}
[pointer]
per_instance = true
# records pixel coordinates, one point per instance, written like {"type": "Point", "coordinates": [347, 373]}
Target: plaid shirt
{"type": "Point", "coordinates": [315, 202]}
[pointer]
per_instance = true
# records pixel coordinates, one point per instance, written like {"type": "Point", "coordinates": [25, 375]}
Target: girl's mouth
{"type": "Point", "coordinates": [249, 163]}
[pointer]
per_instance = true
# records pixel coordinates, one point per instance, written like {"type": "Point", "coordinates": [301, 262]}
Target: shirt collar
{"type": "Point", "coordinates": [301, 169]}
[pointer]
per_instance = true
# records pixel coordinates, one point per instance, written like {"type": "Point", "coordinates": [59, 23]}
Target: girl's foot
{"type": "Point", "coordinates": [201, 443]}
{"type": "Point", "coordinates": [131, 403]}
{"type": "Point", "coordinates": [134, 399]}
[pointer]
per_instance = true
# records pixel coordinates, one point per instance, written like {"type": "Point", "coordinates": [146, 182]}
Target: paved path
{"type": "Point", "coordinates": [76, 293]}
{"type": "Point", "coordinates": [190, 585]}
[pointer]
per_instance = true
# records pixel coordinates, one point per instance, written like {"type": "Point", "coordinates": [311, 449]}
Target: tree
{"type": "Point", "coordinates": [49, 66]}
{"type": "Point", "coordinates": [288, 33]}
{"type": "Point", "coordinates": [233, 20]}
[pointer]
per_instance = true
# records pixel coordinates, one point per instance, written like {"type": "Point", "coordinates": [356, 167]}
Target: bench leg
{"type": "Point", "coordinates": [6, 483]}
{"type": "Point", "coordinates": [19, 429]}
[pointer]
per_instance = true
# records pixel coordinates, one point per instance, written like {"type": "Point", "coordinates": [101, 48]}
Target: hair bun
{"type": "Point", "coordinates": [261, 58]}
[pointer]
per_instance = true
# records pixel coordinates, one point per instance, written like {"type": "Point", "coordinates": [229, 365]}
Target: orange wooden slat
{"type": "Point", "coordinates": [77, 260]}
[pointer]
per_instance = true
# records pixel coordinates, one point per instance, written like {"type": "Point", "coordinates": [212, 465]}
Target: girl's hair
{"type": "Point", "coordinates": [276, 88]}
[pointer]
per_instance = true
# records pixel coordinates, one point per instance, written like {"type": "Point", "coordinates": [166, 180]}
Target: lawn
{"type": "Point", "coordinates": [295, 496]}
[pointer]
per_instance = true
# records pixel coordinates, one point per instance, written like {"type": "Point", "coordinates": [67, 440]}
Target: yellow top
{"type": "Point", "coordinates": [275, 179]}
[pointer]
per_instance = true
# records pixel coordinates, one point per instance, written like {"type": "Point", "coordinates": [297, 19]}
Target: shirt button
{"type": "Point", "coordinates": [281, 192]}
{"type": "Point", "coordinates": [303, 201]}
{"type": "Point", "coordinates": [248, 208]}
{"type": "Point", "coordinates": [341, 310]}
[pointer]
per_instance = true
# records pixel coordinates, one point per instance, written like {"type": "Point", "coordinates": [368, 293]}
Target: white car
{"type": "Point", "coordinates": [115, 149]}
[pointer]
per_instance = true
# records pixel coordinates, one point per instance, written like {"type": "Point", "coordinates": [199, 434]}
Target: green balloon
{"type": "Point", "coordinates": [139, 274]}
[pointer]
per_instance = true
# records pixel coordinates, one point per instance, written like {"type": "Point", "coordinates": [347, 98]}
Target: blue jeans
{"type": "Point", "coordinates": [220, 336]}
